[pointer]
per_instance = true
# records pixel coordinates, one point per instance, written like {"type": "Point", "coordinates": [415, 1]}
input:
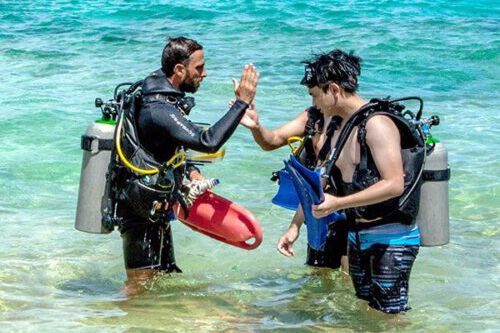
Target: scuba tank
{"type": "Point", "coordinates": [109, 177]}
{"type": "Point", "coordinates": [117, 169]}
{"type": "Point", "coordinates": [97, 145]}
{"type": "Point", "coordinates": [433, 217]}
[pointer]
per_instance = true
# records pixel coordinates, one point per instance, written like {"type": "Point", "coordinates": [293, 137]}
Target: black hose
{"type": "Point", "coordinates": [115, 94]}
{"type": "Point", "coordinates": [416, 98]}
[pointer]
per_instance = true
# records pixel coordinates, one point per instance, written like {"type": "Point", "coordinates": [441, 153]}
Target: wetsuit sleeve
{"type": "Point", "coordinates": [184, 133]}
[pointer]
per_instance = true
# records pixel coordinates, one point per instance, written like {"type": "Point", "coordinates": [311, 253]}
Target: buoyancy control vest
{"type": "Point", "coordinates": [305, 153]}
{"type": "Point", "coordinates": [147, 187]}
{"type": "Point", "coordinates": [404, 208]}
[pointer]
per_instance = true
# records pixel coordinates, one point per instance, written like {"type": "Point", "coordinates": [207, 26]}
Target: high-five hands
{"type": "Point", "coordinates": [247, 87]}
{"type": "Point", "coordinates": [251, 118]}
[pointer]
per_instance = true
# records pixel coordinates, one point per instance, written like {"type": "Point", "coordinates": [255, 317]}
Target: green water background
{"type": "Point", "coordinates": [57, 56]}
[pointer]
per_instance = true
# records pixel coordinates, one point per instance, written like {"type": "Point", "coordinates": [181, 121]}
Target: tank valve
{"type": "Point", "coordinates": [98, 102]}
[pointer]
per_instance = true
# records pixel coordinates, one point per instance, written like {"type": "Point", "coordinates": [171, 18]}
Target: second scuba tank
{"type": "Point", "coordinates": [433, 217]}
{"type": "Point", "coordinates": [93, 194]}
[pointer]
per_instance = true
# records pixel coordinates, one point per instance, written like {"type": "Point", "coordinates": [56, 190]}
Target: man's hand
{"type": "Point", "coordinates": [251, 118]}
{"type": "Point", "coordinates": [326, 207]}
{"type": "Point", "coordinates": [196, 188]}
{"type": "Point", "coordinates": [247, 87]}
{"type": "Point", "coordinates": [195, 175]}
{"type": "Point", "coordinates": [285, 243]}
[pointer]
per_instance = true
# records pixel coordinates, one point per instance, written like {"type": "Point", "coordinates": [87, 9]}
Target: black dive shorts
{"type": "Point", "coordinates": [148, 245]}
{"type": "Point", "coordinates": [381, 273]}
{"type": "Point", "coordinates": [335, 247]}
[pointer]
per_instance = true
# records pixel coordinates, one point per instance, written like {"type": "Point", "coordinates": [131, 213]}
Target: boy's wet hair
{"type": "Point", "coordinates": [335, 66]}
{"type": "Point", "coordinates": [177, 51]}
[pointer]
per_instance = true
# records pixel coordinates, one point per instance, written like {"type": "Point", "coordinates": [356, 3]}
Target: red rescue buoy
{"type": "Point", "coordinates": [222, 219]}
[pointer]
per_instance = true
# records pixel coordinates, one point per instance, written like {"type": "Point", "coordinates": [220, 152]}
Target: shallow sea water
{"type": "Point", "coordinates": [57, 56]}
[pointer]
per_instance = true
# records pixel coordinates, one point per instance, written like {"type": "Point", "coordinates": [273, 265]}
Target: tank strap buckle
{"type": "Point", "coordinates": [94, 144]}
{"type": "Point", "coordinates": [86, 143]}
{"type": "Point", "coordinates": [436, 175]}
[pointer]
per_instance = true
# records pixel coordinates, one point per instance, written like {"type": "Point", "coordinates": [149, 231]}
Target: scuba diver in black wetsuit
{"type": "Point", "coordinates": [162, 131]}
{"type": "Point", "coordinates": [315, 127]}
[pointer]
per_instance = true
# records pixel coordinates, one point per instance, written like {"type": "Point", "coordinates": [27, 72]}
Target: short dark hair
{"type": "Point", "coordinates": [335, 66]}
{"type": "Point", "coordinates": [177, 51]}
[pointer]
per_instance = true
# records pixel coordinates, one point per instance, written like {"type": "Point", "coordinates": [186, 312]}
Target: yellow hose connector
{"type": "Point", "coordinates": [295, 142]}
{"type": "Point", "coordinates": [175, 161]}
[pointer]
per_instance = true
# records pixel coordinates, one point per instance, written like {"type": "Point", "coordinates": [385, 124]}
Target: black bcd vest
{"type": "Point", "coordinates": [404, 208]}
{"type": "Point", "coordinates": [137, 193]}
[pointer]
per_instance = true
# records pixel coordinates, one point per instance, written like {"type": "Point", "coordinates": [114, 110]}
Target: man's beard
{"type": "Point", "coordinates": [189, 85]}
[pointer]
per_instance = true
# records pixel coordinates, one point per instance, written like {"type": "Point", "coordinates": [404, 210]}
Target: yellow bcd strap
{"type": "Point", "coordinates": [206, 157]}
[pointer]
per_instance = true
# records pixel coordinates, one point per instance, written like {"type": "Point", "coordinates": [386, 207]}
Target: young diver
{"type": "Point", "coordinates": [162, 130]}
{"type": "Point", "coordinates": [319, 126]}
{"type": "Point", "coordinates": [383, 245]}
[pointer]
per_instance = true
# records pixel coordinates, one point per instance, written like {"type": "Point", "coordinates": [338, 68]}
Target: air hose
{"type": "Point", "coordinates": [179, 157]}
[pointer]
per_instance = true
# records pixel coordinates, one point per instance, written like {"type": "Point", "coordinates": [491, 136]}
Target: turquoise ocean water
{"type": "Point", "coordinates": [57, 56]}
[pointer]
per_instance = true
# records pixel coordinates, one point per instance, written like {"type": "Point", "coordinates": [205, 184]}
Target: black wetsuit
{"type": "Point", "coordinates": [162, 129]}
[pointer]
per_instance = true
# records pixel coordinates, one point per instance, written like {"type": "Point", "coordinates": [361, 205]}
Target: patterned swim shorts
{"type": "Point", "coordinates": [380, 274]}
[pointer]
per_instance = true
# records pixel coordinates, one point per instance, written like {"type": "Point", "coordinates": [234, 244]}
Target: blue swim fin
{"type": "Point", "coordinates": [286, 196]}
{"type": "Point", "coordinates": [312, 178]}
{"type": "Point", "coordinates": [317, 229]}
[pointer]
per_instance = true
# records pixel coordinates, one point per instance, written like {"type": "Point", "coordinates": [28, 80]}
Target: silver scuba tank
{"type": "Point", "coordinates": [433, 217]}
{"type": "Point", "coordinates": [97, 144]}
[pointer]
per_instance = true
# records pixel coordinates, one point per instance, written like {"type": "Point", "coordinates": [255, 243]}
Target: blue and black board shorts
{"type": "Point", "coordinates": [381, 273]}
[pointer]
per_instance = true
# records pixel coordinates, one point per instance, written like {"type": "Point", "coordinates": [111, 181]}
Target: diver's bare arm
{"type": "Point", "coordinates": [273, 139]}
{"type": "Point", "coordinates": [298, 219]}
